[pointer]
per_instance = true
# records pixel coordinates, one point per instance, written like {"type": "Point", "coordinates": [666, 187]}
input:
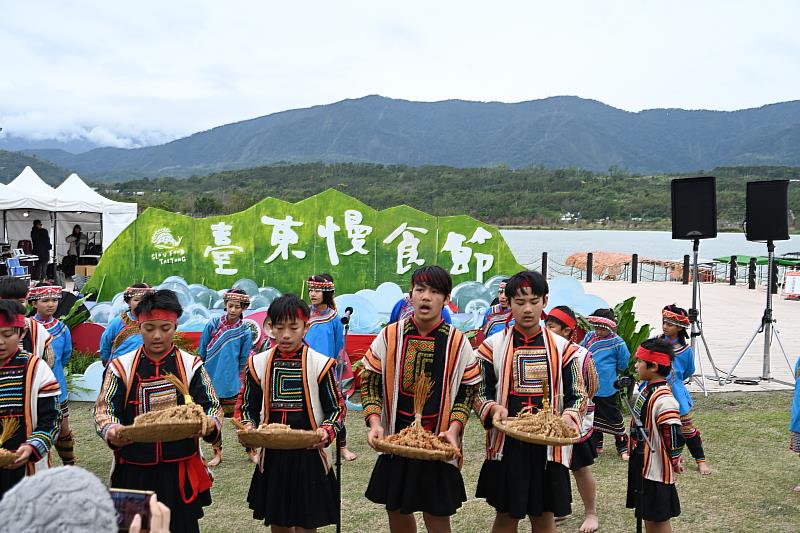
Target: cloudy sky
{"type": "Point", "coordinates": [156, 70]}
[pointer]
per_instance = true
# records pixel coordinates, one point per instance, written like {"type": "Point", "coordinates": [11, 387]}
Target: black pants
{"type": "Point", "coordinates": [40, 269]}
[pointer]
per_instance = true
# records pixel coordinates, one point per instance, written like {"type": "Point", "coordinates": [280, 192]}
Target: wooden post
{"type": "Point", "coordinates": [732, 280]}
{"type": "Point", "coordinates": [634, 268]}
{"type": "Point", "coordinates": [544, 265]}
{"type": "Point", "coordinates": [686, 269]}
{"type": "Point", "coordinates": [751, 274]}
{"type": "Point", "coordinates": [589, 261]}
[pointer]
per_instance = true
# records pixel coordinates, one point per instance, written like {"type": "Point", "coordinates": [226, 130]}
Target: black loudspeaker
{"type": "Point", "coordinates": [767, 213]}
{"type": "Point", "coordinates": [694, 208]}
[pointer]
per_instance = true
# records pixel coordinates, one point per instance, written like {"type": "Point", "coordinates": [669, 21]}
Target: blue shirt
{"type": "Point", "coordinates": [226, 357]}
{"type": "Point", "coordinates": [794, 425]}
{"type": "Point", "coordinates": [611, 356]}
{"type": "Point", "coordinates": [114, 328]}
{"type": "Point", "coordinates": [403, 309]}
{"type": "Point", "coordinates": [325, 332]}
{"type": "Point", "coordinates": [61, 344]}
{"type": "Point", "coordinates": [682, 369]}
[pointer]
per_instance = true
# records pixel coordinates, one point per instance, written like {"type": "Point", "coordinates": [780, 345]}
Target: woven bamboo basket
{"type": "Point", "coordinates": [278, 439]}
{"type": "Point", "coordinates": [533, 438]}
{"type": "Point", "coordinates": [10, 426]}
{"type": "Point", "coordinates": [167, 432]}
{"type": "Point", "coordinates": [6, 457]}
{"type": "Point", "coordinates": [414, 453]}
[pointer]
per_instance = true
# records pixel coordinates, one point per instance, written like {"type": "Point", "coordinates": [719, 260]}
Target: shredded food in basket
{"type": "Point", "coordinates": [418, 437]}
{"type": "Point", "coordinates": [171, 415]}
{"type": "Point", "coordinates": [543, 423]}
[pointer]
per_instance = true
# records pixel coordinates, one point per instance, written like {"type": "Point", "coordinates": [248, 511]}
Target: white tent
{"type": "Point", "coordinates": [116, 216]}
{"type": "Point", "coordinates": [28, 198]}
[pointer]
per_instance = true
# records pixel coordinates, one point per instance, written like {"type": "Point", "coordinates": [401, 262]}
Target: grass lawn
{"type": "Point", "coordinates": [746, 441]}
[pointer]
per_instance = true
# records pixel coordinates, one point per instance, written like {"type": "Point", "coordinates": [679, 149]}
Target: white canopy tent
{"type": "Point", "coordinates": [28, 198]}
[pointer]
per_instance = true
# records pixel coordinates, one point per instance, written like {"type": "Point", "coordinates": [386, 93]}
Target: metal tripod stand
{"type": "Point", "coordinates": [768, 327]}
{"type": "Point", "coordinates": [696, 329]}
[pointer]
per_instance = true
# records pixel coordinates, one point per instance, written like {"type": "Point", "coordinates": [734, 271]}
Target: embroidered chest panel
{"type": "Point", "coordinates": [417, 360]}
{"type": "Point", "coordinates": [155, 394]}
{"type": "Point", "coordinates": [529, 371]}
{"type": "Point", "coordinates": [12, 388]}
{"type": "Point", "coordinates": [286, 387]}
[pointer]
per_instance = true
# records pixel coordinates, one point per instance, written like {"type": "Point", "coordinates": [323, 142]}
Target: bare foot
{"type": "Point", "coordinates": [348, 455]}
{"type": "Point", "coordinates": [253, 455]}
{"type": "Point", "coordinates": [590, 524]}
{"type": "Point", "coordinates": [217, 459]}
{"type": "Point", "coordinates": [560, 519]}
{"type": "Point", "coordinates": [599, 450]}
{"type": "Point", "coordinates": [703, 468]}
{"type": "Point", "coordinates": [796, 489]}
{"type": "Point", "coordinates": [624, 456]}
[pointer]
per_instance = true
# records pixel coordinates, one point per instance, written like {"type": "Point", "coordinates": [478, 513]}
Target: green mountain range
{"type": "Point", "coordinates": [558, 132]}
{"type": "Point", "coordinates": [12, 163]}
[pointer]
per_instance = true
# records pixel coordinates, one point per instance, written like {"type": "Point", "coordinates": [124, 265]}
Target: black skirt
{"type": "Point", "coordinates": [659, 500]}
{"type": "Point", "coordinates": [525, 483]}
{"type": "Point", "coordinates": [583, 454]}
{"type": "Point", "coordinates": [9, 478]}
{"type": "Point", "coordinates": [411, 485]}
{"type": "Point", "coordinates": [607, 415]}
{"type": "Point", "coordinates": [162, 479]}
{"type": "Point", "coordinates": [294, 490]}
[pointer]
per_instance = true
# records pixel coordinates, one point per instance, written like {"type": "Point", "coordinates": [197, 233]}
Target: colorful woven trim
{"type": "Point", "coordinates": [602, 322]}
{"type": "Point", "coordinates": [17, 322]}
{"type": "Point", "coordinates": [563, 317]}
{"type": "Point", "coordinates": [46, 291]}
{"type": "Point", "coordinates": [650, 356]}
{"type": "Point", "coordinates": [158, 314]}
{"type": "Point", "coordinates": [131, 292]}
{"type": "Point", "coordinates": [236, 297]}
{"type": "Point", "coordinates": [682, 321]}
{"type": "Point", "coordinates": [324, 286]}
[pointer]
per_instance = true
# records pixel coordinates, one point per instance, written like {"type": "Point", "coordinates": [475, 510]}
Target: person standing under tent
{"type": "Point", "coordinates": [40, 241]}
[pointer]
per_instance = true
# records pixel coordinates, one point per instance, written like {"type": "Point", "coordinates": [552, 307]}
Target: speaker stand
{"type": "Point", "coordinates": [769, 328]}
{"type": "Point", "coordinates": [696, 329]}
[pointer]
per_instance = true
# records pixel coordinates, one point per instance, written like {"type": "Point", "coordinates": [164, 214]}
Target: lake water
{"type": "Point", "coordinates": [528, 245]}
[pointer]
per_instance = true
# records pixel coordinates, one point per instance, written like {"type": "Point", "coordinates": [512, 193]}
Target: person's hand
{"type": "Point", "coordinates": [324, 437]}
{"type": "Point", "coordinates": [159, 518]}
{"type": "Point", "coordinates": [570, 423]}
{"type": "Point", "coordinates": [451, 436]}
{"type": "Point", "coordinates": [23, 455]}
{"type": "Point", "coordinates": [499, 413]}
{"type": "Point", "coordinates": [375, 432]}
{"type": "Point", "coordinates": [114, 438]}
{"type": "Point", "coordinates": [677, 466]}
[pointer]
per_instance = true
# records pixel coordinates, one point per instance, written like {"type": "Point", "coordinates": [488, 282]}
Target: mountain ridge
{"type": "Point", "coordinates": [556, 132]}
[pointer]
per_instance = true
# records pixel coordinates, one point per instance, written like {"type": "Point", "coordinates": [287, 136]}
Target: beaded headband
{"type": "Point", "coordinates": [324, 286]}
{"type": "Point", "coordinates": [131, 292]}
{"type": "Point", "coordinates": [676, 319]}
{"type": "Point", "coordinates": [602, 322]}
{"type": "Point", "coordinates": [650, 356]}
{"type": "Point", "coordinates": [46, 291]}
{"type": "Point", "coordinates": [236, 297]}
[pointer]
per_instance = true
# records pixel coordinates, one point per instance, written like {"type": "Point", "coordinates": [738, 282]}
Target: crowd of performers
{"type": "Point", "coordinates": [524, 358]}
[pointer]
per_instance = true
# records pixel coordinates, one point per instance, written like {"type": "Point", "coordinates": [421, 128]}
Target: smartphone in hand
{"type": "Point", "coordinates": [128, 504]}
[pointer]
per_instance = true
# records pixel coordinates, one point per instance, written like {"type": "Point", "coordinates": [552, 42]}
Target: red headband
{"type": "Point", "coordinates": [17, 322]}
{"type": "Point", "coordinates": [682, 321]}
{"type": "Point", "coordinates": [301, 315]}
{"type": "Point", "coordinates": [650, 356]}
{"type": "Point", "coordinates": [236, 297]}
{"type": "Point", "coordinates": [130, 292]}
{"type": "Point", "coordinates": [563, 317]}
{"type": "Point", "coordinates": [159, 314]}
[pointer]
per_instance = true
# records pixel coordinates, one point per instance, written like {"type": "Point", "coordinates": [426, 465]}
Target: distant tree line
{"type": "Point", "coordinates": [534, 196]}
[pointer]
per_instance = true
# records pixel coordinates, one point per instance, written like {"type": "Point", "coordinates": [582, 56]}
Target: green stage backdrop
{"type": "Point", "coordinates": [280, 244]}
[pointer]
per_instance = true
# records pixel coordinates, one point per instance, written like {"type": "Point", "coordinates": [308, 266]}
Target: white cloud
{"type": "Point", "coordinates": [126, 73]}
